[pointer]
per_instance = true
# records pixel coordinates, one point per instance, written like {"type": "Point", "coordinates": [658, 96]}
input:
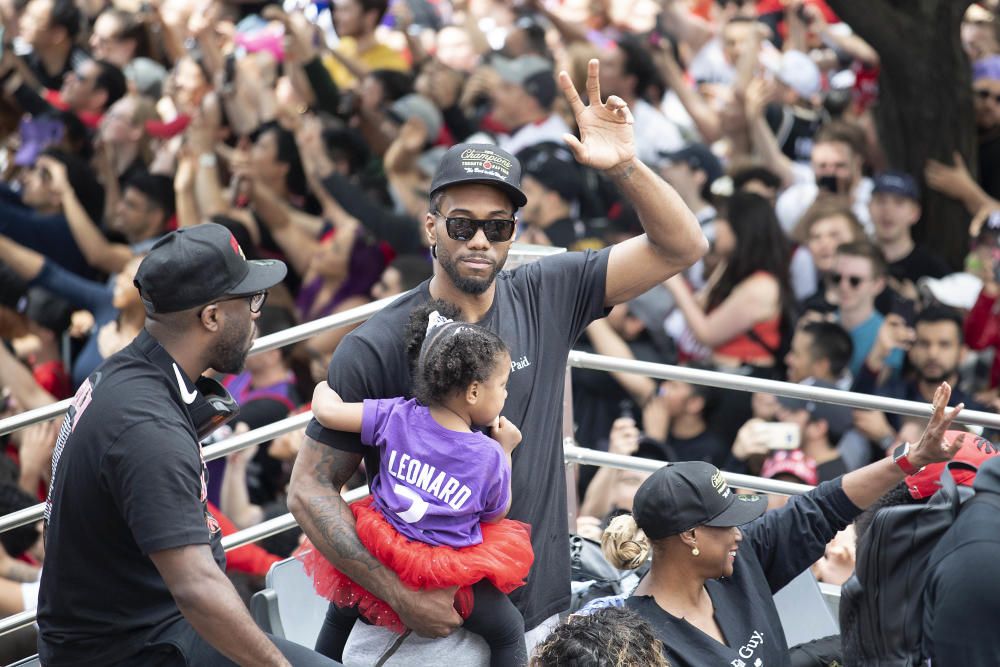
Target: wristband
{"type": "Point", "coordinates": [207, 160]}
{"type": "Point", "coordinates": [901, 457]}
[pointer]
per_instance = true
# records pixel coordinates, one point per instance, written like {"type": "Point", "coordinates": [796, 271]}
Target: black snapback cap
{"type": "Point", "coordinates": [197, 265]}
{"type": "Point", "coordinates": [480, 163]}
{"type": "Point", "coordinates": [685, 495]}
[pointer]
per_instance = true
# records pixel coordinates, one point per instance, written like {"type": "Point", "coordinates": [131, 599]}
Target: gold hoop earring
{"type": "Point", "coordinates": [695, 552]}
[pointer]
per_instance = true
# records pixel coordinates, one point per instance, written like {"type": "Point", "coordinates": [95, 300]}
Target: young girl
{"type": "Point", "coordinates": [437, 506]}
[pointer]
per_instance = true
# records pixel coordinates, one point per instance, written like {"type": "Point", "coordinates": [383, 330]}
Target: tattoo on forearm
{"type": "Point", "coordinates": [627, 172]}
{"type": "Point", "coordinates": [330, 515]}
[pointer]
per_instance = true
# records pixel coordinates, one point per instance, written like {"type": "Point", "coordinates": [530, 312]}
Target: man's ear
{"type": "Point", "coordinates": [211, 317]}
{"type": "Point", "coordinates": [430, 228]}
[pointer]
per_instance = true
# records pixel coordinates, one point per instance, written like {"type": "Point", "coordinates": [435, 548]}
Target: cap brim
{"type": "Point", "coordinates": [264, 274]}
{"type": "Point", "coordinates": [744, 509]}
{"type": "Point", "coordinates": [516, 196]}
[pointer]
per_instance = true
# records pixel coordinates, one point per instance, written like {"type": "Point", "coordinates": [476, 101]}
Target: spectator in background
{"type": "Point", "coordinates": [935, 349]}
{"type": "Point", "coordinates": [115, 308]}
{"type": "Point", "coordinates": [836, 160]}
{"type": "Point", "coordinates": [359, 51]}
{"type": "Point", "coordinates": [822, 229]}
{"type": "Point", "coordinates": [858, 277]}
{"type": "Point", "coordinates": [895, 208]}
{"type": "Point", "coordinates": [37, 218]}
{"type": "Point", "coordinates": [788, 465]}
{"type": "Point", "coordinates": [553, 183]}
{"type": "Point", "coordinates": [402, 274]}
{"type": "Point", "coordinates": [118, 37]}
{"type": "Point", "coordinates": [822, 426]}
{"type": "Point", "coordinates": [628, 71]}
{"type": "Point", "coordinates": [522, 103]}
{"type": "Point", "coordinates": [819, 351]}
{"type": "Point", "coordinates": [689, 408]}
{"type": "Point", "coordinates": [743, 314]}
{"type": "Point", "coordinates": [87, 91]}
{"type": "Point", "coordinates": [47, 318]}
{"type": "Point", "coordinates": [50, 28]}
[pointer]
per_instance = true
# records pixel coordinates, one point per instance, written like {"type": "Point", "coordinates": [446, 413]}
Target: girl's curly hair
{"type": "Point", "coordinates": [457, 355]}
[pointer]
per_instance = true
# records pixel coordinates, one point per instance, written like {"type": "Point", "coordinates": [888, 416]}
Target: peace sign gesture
{"type": "Point", "coordinates": [606, 136]}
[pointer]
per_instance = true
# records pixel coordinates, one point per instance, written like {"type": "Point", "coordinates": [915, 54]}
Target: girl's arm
{"type": "Point", "coordinates": [331, 411]}
{"type": "Point", "coordinates": [509, 437]}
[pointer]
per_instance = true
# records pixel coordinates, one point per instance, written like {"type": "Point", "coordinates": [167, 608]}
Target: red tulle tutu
{"type": "Point", "coordinates": [504, 558]}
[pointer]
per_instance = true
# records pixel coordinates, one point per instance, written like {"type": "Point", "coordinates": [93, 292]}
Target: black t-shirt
{"type": "Point", "coordinates": [917, 264]}
{"type": "Point", "coordinates": [775, 549]}
{"type": "Point", "coordinates": [539, 310]}
{"type": "Point", "coordinates": [129, 481]}
{"type": "Point", "coordinates": [706, 446]}
{"type": "Point", "coordinates": [794, 129]}
{"type": "Point", "coordinates": [962, 593]}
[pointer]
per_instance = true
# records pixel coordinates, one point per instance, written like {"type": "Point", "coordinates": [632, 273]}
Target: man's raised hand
{"type": "Point", "coordinates": [606, 136]}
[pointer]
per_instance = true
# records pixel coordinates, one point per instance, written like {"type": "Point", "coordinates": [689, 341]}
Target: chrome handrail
{"type": "Point", "coordinates": [233, 541]}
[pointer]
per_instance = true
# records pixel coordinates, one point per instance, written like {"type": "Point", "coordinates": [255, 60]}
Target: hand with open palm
{"type": "Point", "coordinates": [606, 137]}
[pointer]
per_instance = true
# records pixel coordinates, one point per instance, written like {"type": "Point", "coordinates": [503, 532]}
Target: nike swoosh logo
{"type": "Point", "coordinates": [187, 396]}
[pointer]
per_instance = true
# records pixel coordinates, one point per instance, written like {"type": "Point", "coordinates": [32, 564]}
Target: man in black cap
{"type": "Point", "coordinates": [539, 309]}
{"type": "Point", "coordinates": [553, 184]}
{"type": "Point", "coordinates": [895, 208]}
{"type": "Point", "coordinates": [129, 491]}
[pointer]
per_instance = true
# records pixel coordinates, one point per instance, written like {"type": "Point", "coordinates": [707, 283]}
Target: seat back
{"type": "Point", "coordinates": [804, 612]}
{"type": "Point", "coordinates": [289, 607]}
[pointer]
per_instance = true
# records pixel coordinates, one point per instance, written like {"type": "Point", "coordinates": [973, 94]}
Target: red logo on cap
{"type": "Point", "coordinates": [487, 165]}
{"type": "Point", "coordinates": [235, 245]}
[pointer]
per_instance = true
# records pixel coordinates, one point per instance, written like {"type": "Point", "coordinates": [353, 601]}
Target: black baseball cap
{"type": "Point", "coordinates": [682, 496]}
{"type": "Point", "coordinates": [555, 168]}
{"type": "Point", "coordinates": [197, 265]}
{"type": "Point", "coordinates": [480, 163]}
{"type": "Point", "coordinates": [897, 183]}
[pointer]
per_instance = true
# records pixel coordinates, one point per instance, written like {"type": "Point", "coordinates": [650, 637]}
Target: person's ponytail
{"type": "Point", "coordinates": [624, 544]}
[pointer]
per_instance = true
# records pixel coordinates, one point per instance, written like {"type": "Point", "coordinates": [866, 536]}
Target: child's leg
{"type": "Point", "coordinates": [495, 619]}
{"type": "Point", "coordinates": [336, 629]}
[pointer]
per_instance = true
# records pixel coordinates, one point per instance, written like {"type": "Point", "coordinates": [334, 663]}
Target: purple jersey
{"type": "Point", "coordinates": [434, 485]}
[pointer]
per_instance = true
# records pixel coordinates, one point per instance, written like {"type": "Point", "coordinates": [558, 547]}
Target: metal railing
{"type": "Point", "coordinates": [573, 454]}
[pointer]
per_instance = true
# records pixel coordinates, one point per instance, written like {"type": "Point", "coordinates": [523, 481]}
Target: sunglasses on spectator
{"type": "Point", "coordinates": [463, 229]}
{"type": "Point", "coordinates": [838, 278]}
{"type": "Point", "coordinates": [984, 94]}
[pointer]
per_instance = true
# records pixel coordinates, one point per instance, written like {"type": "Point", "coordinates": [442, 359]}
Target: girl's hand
{"type": "Point", "coordinates": [505, 433]}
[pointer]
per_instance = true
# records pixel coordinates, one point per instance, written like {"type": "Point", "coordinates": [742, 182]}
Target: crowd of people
{"type": "Point", "coordinates": [712, 167]}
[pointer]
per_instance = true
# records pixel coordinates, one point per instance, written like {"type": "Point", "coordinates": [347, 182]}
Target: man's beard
{"type": "Point", "coordinates": [229, 353]}
{"type": "Point", "coordinates": [467, 284]}
{"type": "Point", "coordinates": [938, 378]}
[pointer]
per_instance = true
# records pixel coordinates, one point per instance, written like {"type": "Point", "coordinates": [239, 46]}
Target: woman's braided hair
{"type": "Point", "coordinates": [456, 355]}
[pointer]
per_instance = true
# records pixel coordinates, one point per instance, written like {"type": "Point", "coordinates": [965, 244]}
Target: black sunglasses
{"type": "Point", "coordinates": [984, 94]}
{"type": "Point", "coordinates": [463, 229]}
{"type": "Point", "coordinates": [837, 278]}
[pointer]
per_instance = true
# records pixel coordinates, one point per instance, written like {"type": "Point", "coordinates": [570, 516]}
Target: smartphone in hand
{"type": "Point", "coordinates": [780, 435]}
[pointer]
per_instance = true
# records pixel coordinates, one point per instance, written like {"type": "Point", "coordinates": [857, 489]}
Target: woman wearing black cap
{"type": "Point", "coordinates": [716, 561]}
